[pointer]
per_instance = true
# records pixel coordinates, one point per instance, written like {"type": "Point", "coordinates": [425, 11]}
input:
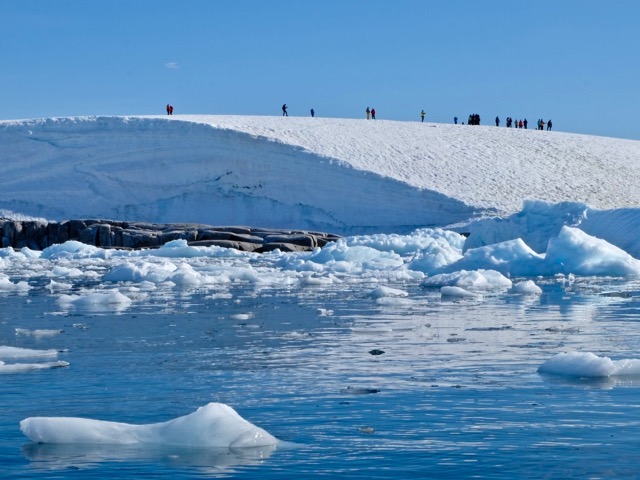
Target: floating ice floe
{"type": "Point", "coordinates": [41, 332]}
{"type": "Point", "coordinates": [66, 272]}
{"type": "Point", "coordinates": [341, 258]}
{"type": "Point", "coordinates": [510, 257]}
{"type": "Point", "coordinates": [476, 280]}
{"type": "Point", "coordinates": [16, 353]}
{"type": "Point", "coordinates": [7, 285]}
{"type": "Point", "coordinates": [587, 364]}
{"type": "Point", "coordinates": [526, 287]}
{"type": "Point", "coordinates": [573, 251]}
{"type": "Point", "coordinates": [112, 300]}
{"type": "Point", "coordinates": [54, 286]}
{"type": "Point", "coordinates": [213, 425]}
{"type": "Point", "coordinates": [25, 367]}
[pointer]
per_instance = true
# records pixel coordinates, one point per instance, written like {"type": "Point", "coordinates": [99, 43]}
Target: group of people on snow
{"type": "Point", "coordinates": [474, 118]}
{"type": "Point", "coordinates": [370, 112]}
{"type": "Point", "coordinates": [523, 123]}
{"type": "Point", "coordinates": [541, 124]}
{"type": "Point", "coordinates": [517, 123]}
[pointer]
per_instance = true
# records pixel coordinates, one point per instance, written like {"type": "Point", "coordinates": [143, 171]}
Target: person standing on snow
{"type": "Point", "coordinates": [422, 114]}
{"type": "Point", "coordinates": [549, 125]}
{"type": "Point", "coordinates": [313, 114]}
{"type": "Point", "coordinates": [284, 110]}
{"type": "Point", "coordinates": [497, 121]}
{"type": "Point", "coordinates": [368, 112]}
{"type": "Point", "coordinates": [373, 114]}
{"type": "Point", "coordinates": [455, 120]}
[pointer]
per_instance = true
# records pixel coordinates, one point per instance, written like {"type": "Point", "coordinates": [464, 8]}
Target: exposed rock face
{"type": "Point", "coordinates": [38, 235]}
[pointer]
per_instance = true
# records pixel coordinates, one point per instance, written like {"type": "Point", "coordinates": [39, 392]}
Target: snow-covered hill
{"type": "Point", "coordinates": [339, 175]}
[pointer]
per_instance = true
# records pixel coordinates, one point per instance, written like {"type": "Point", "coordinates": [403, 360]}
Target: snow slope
{"type": "Point", "coordinates": [341, 175]}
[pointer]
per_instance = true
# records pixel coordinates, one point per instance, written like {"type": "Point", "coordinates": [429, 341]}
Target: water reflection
{"type": "Point", "coordinates": [82, 457]}
{"type": "Point", "coordinates": [603, 383]}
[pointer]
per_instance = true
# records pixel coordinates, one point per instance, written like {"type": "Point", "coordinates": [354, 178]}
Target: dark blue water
{"type": "Point", "coordinates": [455, 393]}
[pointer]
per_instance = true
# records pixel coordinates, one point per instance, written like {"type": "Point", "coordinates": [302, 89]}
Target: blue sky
{"type": "Point", "coordinates": [574, 61]}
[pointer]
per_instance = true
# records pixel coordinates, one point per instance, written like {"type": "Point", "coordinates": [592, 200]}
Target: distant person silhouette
{"type": "Point", "coordinates": [284, 110]}
{"type": "Point", "coordinates": [497, 121]}
{"type": "Point", "coordinates": [368, 112]}
{"type": "Point", "coordinates": [549, 125]}
{"type": "Point", "coordinates": [313, 114]}
{"type": "Point", "coordinates": [373, 114]}
{"type": "Point", "coordinates": [422, 114]}
{"type": "Point", "coordinates": [455, 120]}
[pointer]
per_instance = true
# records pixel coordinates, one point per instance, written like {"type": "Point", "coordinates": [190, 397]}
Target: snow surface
{"type": "Point", "coordinates": [338, 175]}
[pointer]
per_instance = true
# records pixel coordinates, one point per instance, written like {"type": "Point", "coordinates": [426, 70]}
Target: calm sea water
{"type": "Point", "coordinates": [451, 392]}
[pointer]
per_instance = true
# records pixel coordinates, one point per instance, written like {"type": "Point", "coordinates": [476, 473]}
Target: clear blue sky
{"type": "Point", "coordinates": [575, 61]}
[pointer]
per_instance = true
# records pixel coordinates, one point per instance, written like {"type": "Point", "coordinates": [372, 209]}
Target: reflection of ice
{"type": "Point", "coordinates": [456, 292]}
{"type": "Point", "coordinates": [211, 459]}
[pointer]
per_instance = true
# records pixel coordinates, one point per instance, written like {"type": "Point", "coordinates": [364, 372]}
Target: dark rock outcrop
{"type": "Point", "coordinates": [38, 235]}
